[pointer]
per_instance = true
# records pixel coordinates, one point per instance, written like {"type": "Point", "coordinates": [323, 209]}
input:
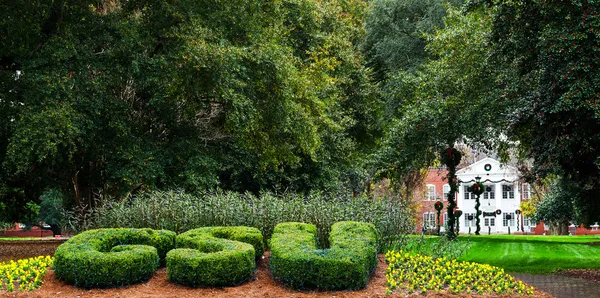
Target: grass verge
{"type": "Point", "coordinates": [535, 254]}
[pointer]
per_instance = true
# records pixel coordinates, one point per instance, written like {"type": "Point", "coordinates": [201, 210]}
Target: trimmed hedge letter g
{"type": "Point", "coordinates": [112, 257]}
{"type": "Point", "coordinates": [296, 261]}
{"type": "Point", "coordinates": [215, 256]}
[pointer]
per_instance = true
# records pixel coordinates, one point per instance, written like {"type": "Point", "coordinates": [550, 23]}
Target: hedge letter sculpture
{"type": "Point", "coordinates": [112, 257]}
{"type": "Point", "coordinates": [215, 256]}
{"type": "Point", "coordinates": [296, 261]}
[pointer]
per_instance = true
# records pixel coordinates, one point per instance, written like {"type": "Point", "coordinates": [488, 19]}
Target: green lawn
{"type": "Point", "coordinates": [534, 254]}
{"type": "Point", "coordinates": [24, 238]}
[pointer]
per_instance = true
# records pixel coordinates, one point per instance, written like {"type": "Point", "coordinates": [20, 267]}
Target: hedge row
{"type": "Point", "coordinates": [112, 257]}
{"type": "Point", "coordinates": [219, 256]}
{"type": "Point", "coordinates": [296, 261]}
{"type": "Point", "coordinates": [215, 256]}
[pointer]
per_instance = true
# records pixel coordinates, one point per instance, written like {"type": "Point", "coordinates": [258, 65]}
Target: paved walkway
{"type": "Point", "coordinates": [562, 286]}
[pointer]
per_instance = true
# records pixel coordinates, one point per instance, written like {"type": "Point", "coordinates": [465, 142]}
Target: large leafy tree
{"type": "Point", "coordinates": [546, 53]}
{"type": "Point", "coordinates": [447, 100]}
{"type": "Point", "coordinates": [395, 46]}
{"type": "Point", "coordinates": [106, 97]}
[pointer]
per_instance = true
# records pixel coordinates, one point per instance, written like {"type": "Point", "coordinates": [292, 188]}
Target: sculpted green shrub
{"type": "Point", "coordinates": [215, 256]}
{"type": "Point", "coordinates": [297, 262]}
{"type": "Point", "coordinates": [112, 257]}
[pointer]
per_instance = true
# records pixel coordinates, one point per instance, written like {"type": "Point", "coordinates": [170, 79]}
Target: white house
{"type": "Point", "coordinates": [502, 193]}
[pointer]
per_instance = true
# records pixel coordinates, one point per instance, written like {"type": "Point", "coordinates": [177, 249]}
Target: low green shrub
{"type": "Point", "coordinates": [215, 256]}
{"type": "Point", "coordinates": [112, 257]}
{"type": "Point", "coordinates": [296, 261]}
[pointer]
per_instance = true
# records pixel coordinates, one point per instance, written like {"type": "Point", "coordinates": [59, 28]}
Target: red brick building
{"type": "Point", "coordinates": [436, 188]}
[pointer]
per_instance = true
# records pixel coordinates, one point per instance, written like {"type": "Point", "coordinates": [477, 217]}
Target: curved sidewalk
{"type": "Point", "coordinates": [561, 286]}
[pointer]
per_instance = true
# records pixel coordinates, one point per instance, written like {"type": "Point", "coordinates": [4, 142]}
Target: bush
{"type": "Point", "coordinates": [179, 212]}
{"type": "Point", "coordinates": [296, 261]}
{"type": "Point", "coordinates": [215, 256]}
{"type": "Point", "coordinates": [112, 257]}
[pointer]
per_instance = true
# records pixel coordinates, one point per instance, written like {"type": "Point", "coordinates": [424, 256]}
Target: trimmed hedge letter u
{"type": "Point", "coordinates": [215, 256]}
{"type": "Point", "coordinates": [347, 264]}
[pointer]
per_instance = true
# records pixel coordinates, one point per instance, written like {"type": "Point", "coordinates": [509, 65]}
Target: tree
{"type": "Point", "coordinates": [545, 52]}
{"type": "Point", "coordinates": [447, 100]}
{"type": "Point", "coordinates": [557, 209]}
{"type": "Point", "coordinates": [104, 98]}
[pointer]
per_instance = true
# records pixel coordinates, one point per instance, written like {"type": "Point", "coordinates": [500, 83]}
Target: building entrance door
{"type": "Point", "coordinates": [489, 224]}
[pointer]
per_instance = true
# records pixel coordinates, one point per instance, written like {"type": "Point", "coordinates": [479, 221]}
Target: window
{"type": "Point", "coordinates": [489, 222]}
{"type": "Point", "coordinates": [431, 192]}
{"type": "Point", "coordinates": [467, 193]}
{"type": "Point", "coordinates": [526, 191]}
{"type": "Point", "coordinates": [469, 223]}
{"type": "Point", "coordinates": [429, 220]}
{"type": "Point", "coordinates": [445, 219]}
{"type": "Point", "coordinates": [508, 222]}
{"type": "Point", "coordinates": [507, 191]}
{"type": "Point", "coordinates": [489, 195]}
{"type": "Point", "coordinates": [446, 191]}
{"type": "Point", "coordinates": [526, 222]}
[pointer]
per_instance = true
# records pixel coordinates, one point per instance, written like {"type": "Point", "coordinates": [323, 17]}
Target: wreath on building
{"type": "Point", "coordinates": [438, 206]}
{"type": "Point", "coordinates": [498, 212]}
{"type": "Point", "coordinates": [477, 188]}
{"type": "Point", "coordinates": [487, 167]}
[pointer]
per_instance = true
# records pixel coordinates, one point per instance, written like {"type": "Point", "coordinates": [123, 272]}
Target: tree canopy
{"type": "Point", "coordinates": [107, 97]}
{"type": "Point", "coordinates": [103, 98]}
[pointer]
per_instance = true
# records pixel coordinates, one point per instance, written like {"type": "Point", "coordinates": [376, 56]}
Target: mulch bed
{"type": "Point", "coordinates": [261, 284]}
{"type": "Point", "coordinates": [589, 274]}
{"type": "Point", "coordinates": [22, 249]}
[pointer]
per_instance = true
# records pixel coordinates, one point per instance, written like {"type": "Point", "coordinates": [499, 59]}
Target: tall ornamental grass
{"type": "Point", "coordinates": [179, 212]}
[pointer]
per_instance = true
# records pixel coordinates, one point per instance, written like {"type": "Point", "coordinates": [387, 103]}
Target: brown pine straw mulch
{"type": "Point", "coordinates": [589, 274]}
{"type": "Point", "coordinates": [261, 284]}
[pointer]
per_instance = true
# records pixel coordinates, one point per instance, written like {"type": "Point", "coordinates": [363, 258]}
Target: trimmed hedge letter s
{"type": "Point", "coordinates": [215, 256]}
{"type": "Point", "coordinates": [112, 257]}
{"type": "Point", "coordinates": [296, 261]}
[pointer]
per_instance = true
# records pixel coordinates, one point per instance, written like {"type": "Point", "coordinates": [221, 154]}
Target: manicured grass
{"type": "Point", "coordinates": [534, 254]}
{"type": "Point", "coordinates": [24, 238]}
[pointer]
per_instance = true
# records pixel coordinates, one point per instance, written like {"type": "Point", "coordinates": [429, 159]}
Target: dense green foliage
{"type": "Point", "coordinates": [535, 254]}
{"type": "Point", "coordinates": [445, 101]}
{"type": "Point", "coordinates": [395, 33]}
{"type": "Point", "coordinates": [112, 257]}
{"type": "Point", "coordinates": [297, 262]}
{"type": "Point", "coordinates": [179, 212]}
{"type": "Point", "coordinates": [549, 67]}
{"type": "Point", "coordinates": [215, 256]}
{"type": "Point", "coordinates": [104, 98]}
{"type": "Point", "coordinates": [501, 74]}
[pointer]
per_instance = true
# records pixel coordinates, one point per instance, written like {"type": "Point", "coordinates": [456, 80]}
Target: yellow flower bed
{"type": "Point", "coordinates": [23, 274]}
{"type": "Point", "coordinates": [417, 273]}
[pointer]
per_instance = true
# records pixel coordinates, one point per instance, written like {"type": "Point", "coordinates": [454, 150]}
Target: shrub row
{"type": "Point", "coordinates": [112, 257]}
{"type": "Point", "coordinates": [296, 261]}
{"type": "Point", "coordinates": [180, 212]}
{"type": "Point", "coordinates": [219, 256]}
{"type": "Point", "coordinates": [215, 256]}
